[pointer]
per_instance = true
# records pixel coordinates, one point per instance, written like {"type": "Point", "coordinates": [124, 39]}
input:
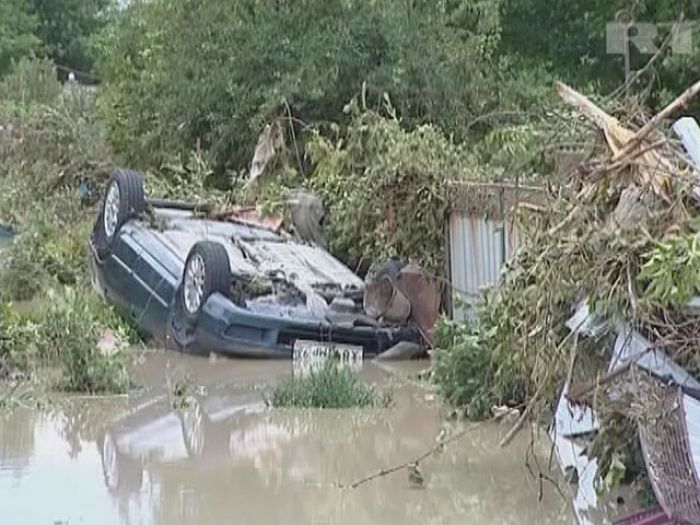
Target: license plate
{"type": "Point", "coordinates": [314, 351]}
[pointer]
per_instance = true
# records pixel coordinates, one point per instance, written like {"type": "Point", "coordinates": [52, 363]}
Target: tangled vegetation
{"type": "Point", "coordinates": [62, 335]}
{"type": "Point", "coordinates": [68, 331]}
{"type": "Point", "coordinates": [330, 386]}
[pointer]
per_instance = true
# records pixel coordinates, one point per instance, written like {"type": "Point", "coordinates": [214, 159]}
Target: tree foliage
{"type": "Point", "coordinates": [574, 44]}
{"type": "Point", "coordinates": [181, 75]}
{"type": "Point", "coordinates": [56, 29]}
{"type": "Point", "coordinates": [65, 27]}
{"type": "Point", "coordinates": [17, 32]}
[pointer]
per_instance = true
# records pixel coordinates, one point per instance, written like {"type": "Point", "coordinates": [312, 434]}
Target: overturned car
{"type": "Point", "coordinates": [232, 286]}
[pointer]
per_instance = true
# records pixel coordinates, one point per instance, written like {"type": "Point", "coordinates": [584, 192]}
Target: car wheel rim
{"type": "Point", "coordinates": [192, 422]}
{"type": "Point", "coordinates": [109, 462]}
{"type": "Point", "coordinates": [194, 284]}
{"type": "Point", "coordinates": [110, 215]}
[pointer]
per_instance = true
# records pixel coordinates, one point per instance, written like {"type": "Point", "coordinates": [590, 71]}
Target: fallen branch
{"type": "Point", "coordinates": [629, 159]}
{"type": "Point", "coordinates": [592, 112]}
{"type": "Point", "coordinates": [622, 140]}
{"type": "Point", "coordinates": [564, 223]}
{"type": "Point", "coordinates": [437, 448]}
{"type": "Point", "coordinates": [523, 417]}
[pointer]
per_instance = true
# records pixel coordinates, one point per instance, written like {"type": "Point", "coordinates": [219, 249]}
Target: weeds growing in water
{"type": "Point", "coordinates": [331, 386]}
{"type": "Point", "coordinates": [463, 367]}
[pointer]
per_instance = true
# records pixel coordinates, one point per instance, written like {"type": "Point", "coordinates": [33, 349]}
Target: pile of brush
{"type": "Point", "coordinates": [621, 232]}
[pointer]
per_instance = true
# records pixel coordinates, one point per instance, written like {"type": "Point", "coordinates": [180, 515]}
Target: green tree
{"type": "Point", "coordinates": [65, 27]}
{"type": "Point", "coordinates": [209, 74]}
{"type": "Point", "coordinates": [571, 38]}
{"type": "Point", "coordinates": [17, 28]}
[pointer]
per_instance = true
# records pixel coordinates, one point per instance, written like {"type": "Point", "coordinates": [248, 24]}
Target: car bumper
{"type": "Point", "coordinates": [228, 329]}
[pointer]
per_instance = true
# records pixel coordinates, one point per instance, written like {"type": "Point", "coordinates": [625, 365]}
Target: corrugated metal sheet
{"type": "Point", "coordinates": [478, 248]}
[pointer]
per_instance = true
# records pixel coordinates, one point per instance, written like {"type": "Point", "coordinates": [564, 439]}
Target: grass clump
{"type": "Point", "coordinates": [331, 386]}
{"type": "Point", "coordinates": [66, 334]}
{"type": "Point", "coordinates": [63, 335]}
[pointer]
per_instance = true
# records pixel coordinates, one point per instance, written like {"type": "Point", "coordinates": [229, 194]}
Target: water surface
{"type": "Point", "coordinates": [229, 459]}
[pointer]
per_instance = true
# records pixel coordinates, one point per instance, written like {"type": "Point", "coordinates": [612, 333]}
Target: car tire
{"type": "Point", "coordinates": [207, 271]}
{"type": "Point", "coordinates": [123, 200]}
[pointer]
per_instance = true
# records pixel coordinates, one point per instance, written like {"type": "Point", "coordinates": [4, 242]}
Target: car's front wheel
{"type": "Point", "coordinates": [207, 271]}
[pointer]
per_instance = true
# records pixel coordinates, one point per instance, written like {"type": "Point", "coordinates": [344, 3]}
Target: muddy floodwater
{"type": "Point", "coordinates": [226, 458]}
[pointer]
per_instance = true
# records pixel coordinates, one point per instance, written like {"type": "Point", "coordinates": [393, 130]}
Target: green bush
{"type": "Point", "coordinates": [331, 386]}
{"type": "Point", "coordinates": [68, 332]}
{"type": "Point", "coordinates": [17, 335]}
{"type": "Point", "coordinates": [45, 253]}
{"type": "Point", "coordinates": [51, 144]}
{"type": "Point", "coordinates": [671, 270]}
{"type": "Point", "coordinates": [48, 152]}
{"type": "Point", "coordinates": [463, 371]}
{"type": "Point", "coordinates": [17, 32]}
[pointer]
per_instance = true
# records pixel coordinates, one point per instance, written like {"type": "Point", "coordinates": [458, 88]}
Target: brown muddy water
{"type": "Point", "coordinates": [229, 459]}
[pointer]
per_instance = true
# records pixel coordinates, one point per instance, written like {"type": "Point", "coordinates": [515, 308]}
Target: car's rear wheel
{"type": "Point", "coordinates": [207, 271]}
{"type": "Point", "coordinates": [124, 199]}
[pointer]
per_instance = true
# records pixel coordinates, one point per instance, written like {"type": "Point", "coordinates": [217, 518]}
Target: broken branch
{"type": "Point", "coordinates": [680, 101]}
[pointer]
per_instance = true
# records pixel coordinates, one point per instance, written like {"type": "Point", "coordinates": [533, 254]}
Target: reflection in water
{"type": "Point", "coordinates": [229, 459]}
{"type": "Point", "coordinates": [16, 442]}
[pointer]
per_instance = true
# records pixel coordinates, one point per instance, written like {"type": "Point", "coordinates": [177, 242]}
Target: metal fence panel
{"type": "Point", "coordinates": [478, 248]}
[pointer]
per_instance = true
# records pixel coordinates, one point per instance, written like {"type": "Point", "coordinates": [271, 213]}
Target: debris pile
{"type": "Point", "coordinates": [619, 241]}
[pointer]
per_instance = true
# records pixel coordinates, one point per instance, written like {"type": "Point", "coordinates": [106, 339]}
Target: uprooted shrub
{"type": "Point", "coordinates": [331, 386]}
